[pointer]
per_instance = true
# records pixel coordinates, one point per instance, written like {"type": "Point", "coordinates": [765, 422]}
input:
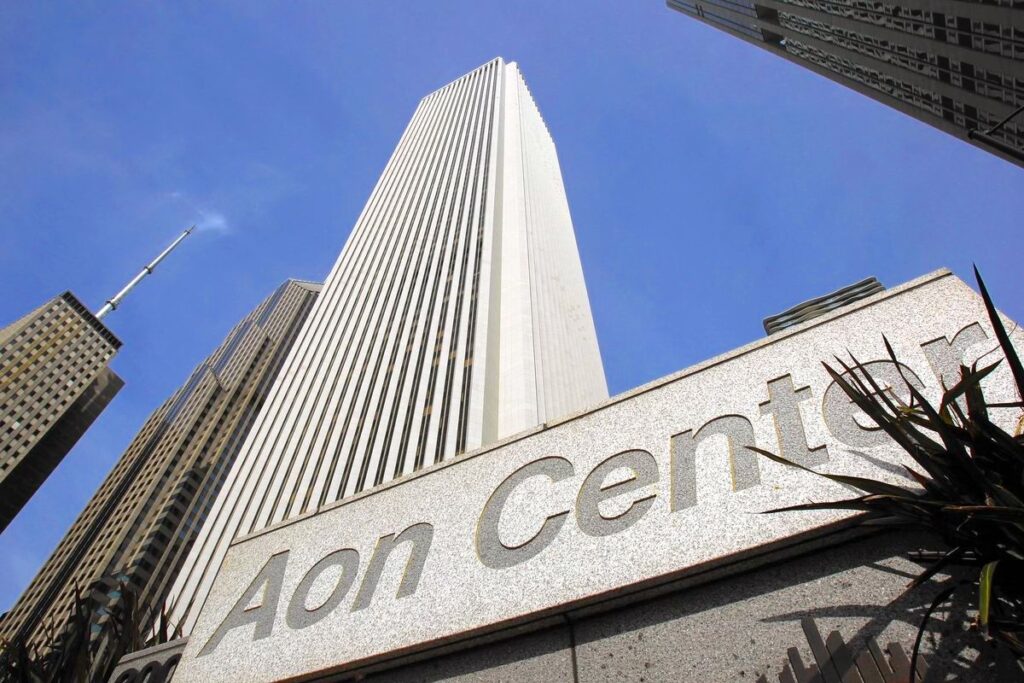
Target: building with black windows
{"type": "Point", "coordinates": [956, 65]}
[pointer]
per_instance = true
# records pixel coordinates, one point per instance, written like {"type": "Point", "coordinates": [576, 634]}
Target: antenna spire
{"type": "Point", "coordinates": [115, 301]}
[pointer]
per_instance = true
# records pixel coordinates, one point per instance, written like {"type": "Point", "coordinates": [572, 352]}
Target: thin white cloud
{"type": "Point", "coordinates": [205, 220]}
{"type": "Point", "coordinates": [212, 221]}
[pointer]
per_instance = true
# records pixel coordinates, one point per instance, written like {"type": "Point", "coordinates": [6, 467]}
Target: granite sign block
{"type": "Point", "coordinates": [651, 486]}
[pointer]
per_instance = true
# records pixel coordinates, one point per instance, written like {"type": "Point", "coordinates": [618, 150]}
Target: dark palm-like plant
{"type": "Point", "coordinates": [87, 643]}
{"type": "Point", "coordinates": [66, 656]}
{"type": "Point", "coordinates": [970, 474]}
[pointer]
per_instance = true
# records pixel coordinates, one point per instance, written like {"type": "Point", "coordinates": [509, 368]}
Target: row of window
{"type": "Point", "coordinates": [1007, 40]}
{"type": "Point", "coordinates": [930, 102]}
{"type": "Point", "coordinates": [930, 65]}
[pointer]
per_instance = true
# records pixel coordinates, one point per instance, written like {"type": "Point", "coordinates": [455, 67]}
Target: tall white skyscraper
{"type": "Point", "coordinates": [455, 316]}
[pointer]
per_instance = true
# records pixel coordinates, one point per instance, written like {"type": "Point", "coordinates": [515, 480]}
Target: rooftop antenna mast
{"type": "Point", "coordinates": [115, 301]}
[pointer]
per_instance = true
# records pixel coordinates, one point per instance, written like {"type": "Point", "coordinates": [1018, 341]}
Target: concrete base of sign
{"type": "Point", "coordinates": [738, 628]}
{"type": "Point", "coordinates": [154, 664]}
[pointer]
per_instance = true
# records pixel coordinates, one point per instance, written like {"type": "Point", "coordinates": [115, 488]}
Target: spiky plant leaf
{"type": "Point", "coordinates": [985, 594]}
{"type": "Point", "coordinates": [1004, 339]}
{"type": "Point", "coordinates": [866, 485]}
{"type": "Point", "coordinates": [970, 472]}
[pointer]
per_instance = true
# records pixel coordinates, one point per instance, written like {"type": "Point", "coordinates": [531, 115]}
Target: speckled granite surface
{"type": "Point", "coordinates": [542, 524]}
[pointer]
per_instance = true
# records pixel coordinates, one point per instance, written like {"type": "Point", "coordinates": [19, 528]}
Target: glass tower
{"type": "Point", "coordinates": [136, 529]}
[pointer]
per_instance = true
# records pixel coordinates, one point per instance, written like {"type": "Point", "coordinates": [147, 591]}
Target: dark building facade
{"type": "Point", "coordinates": [134, 531]}
{"type": "Point", "coordinates": [813, 308]}
{"type": "Point", "coordinates": [54, 382]}
{"type": "Point", "coordinates": [956, 65]}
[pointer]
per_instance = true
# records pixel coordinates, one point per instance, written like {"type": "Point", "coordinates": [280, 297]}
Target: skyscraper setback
{"type": "Point", "coordinates": [456, 315]}
{"type": "Point", "coordinates": [958, 66]}
{"type": "Point", "coordinates": [135, 530]}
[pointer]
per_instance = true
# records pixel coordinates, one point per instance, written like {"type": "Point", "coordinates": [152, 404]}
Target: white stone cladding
{"type": "Point", "coordinates": [456, 315]}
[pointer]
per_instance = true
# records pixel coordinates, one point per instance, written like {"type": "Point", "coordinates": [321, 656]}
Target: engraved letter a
{"type": "Point", "coordinates": [268, 581]}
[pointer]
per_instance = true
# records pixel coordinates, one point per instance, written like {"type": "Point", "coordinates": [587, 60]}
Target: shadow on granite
{"type": "Point", "coordinates": [740, 627]}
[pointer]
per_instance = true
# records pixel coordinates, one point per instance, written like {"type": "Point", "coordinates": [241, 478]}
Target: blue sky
{"type": "Point", "coordinates": [711, 183]}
